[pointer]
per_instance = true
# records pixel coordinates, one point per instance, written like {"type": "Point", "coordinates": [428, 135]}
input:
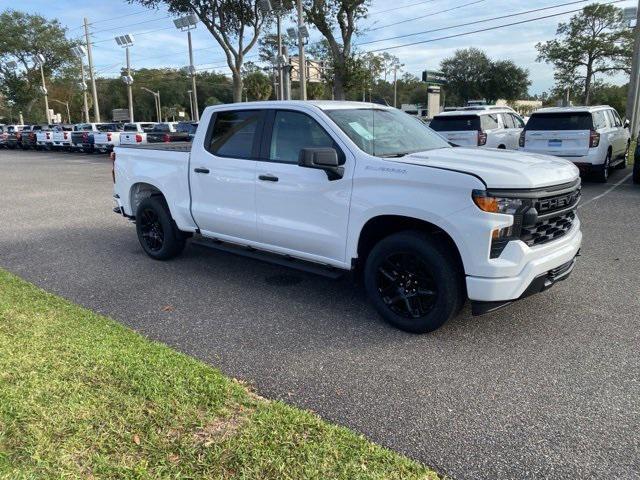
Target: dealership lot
{"type": "Point", "coordinates": [547, 387]}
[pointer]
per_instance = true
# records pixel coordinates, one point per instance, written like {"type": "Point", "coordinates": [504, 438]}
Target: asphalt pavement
{"type": "Point", "coordinates": [545, 388]}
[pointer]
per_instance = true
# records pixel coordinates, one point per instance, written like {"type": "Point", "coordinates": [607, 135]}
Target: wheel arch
{"type": "Point", "coordinates": [141, 190]}
{"type": "Point", "coordinates": [381, 226]}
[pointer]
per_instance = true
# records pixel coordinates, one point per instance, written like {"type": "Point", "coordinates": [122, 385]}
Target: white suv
{"type": "Point", "coordinates": [493, 127]}
{"type": "Point", "coordinates": [594, 138]}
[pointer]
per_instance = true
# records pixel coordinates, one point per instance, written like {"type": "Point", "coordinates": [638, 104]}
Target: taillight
{"type": "Point", "coordinates": [85, 137]}
{"type": "Point", "coordinates": [108, 137]}
{"type": "Point", "coordinates": [166, 138]}
{"type": "Point", "coordinates": [112, 156]}
{"type": "Point", "coordinates": [138, 138]}
{"type": "Point", "coordinates": [594, 139]}
{"type": "Point", "coordinates": [521, 139]}
{"type": "Point", "coordinates": [482, 138]}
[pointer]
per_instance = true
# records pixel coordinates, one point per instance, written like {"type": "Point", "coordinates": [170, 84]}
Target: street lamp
{"type": "Point", "coordinates": [79, 52]}
{"type": "Point", "coordinates": [39, 60]}
{"type": "Point", "coordinates": [301, 34]}
{"type": "Point", "coordinates": [126, 41]}
{"type": "Point", "coordinates": [266, 8]}
{"type": "Point", "coordinates": [186, 24]}
{"type": "Point", "coordinates": [156, 98]}
{"type": "Point", "coordinates": [65, 104]}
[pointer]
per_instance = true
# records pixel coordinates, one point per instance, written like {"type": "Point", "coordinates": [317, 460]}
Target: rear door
{"type": "Point", "coordinates": [458, 129]}
{"type": "Point", "coordinates": [619, 141]}
{"type": "Point", "coordinates": [300, 211]}
{"type": "Point", "coordinates": [223, 175]}
{"type": "Point", "coordinates": [564, 134]}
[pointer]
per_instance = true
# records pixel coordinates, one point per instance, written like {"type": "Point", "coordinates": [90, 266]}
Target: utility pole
{"type": "Point", "coordinates": [84, 93]}
{"type": "Point", "coordinates": [45, 93]}
{"type": "Point", "coordinates": [302, 64]}
{"type": "Point", "coordinates": [192, 69]}
{"type": "Point", "coordinates": [634, 78]}
{"type": "Point", "coordinates": [279, 59]}
{"type": "Point", "coordinates": [190, 103]}
{"type": "Point", "coordinates": [96, 107]}
{"type": "Point", "coordinates": [129, 86]}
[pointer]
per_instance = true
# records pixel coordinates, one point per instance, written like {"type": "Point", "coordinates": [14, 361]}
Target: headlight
{"type": "Point", "coordinates": [504, 205]}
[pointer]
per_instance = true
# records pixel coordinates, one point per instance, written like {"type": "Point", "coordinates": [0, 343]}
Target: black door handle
{"type": "Point", "coordinates": [201, 170]}
{"type": "Point", "coordinates": [268, 178]}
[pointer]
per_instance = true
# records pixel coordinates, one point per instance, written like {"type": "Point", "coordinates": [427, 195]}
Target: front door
{"type": "Point", "coordinates": [222, 176]}
{"type": "Point", "coordinates": [300, 210]}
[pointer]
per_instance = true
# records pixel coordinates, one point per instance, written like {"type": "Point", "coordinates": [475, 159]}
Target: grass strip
{"type": "Point", "coordinates": [82, 396]}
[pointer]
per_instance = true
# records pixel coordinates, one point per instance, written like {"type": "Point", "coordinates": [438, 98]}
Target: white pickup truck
{"type": "Point", "coordinates": [135, 133]}
{"type": "Point", "coordinates": [346, 186]}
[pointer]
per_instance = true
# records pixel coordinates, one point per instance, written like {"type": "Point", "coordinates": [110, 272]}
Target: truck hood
{"type": "Point", "coordinates": [499, 168]}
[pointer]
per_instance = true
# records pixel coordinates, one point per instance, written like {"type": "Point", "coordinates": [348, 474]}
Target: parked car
{"type": "Point", "coordinates": [61, 137]}
{"type": "Point", "coordinates": [14, 136]}
{"type": "Point", "coordinates": [4, 133]}
{"type": "Point", "coordinates": [185, 131]}
{"type": "Point", "coordinates": [166, 133]}
{"type": "Point", "coordinates": [82, 137]}
{"type": "Point", "coordinates": [480, 126]}
{"type": "Point", "coordinates": [594, 138]}
{"type": "Point", "coordinates": [135, 133]}
{"type": "Point", "coordinates": [28, 136]}
{"type": "Point", "coordinates": [341, 186]}
{"type": "Point", "coordinates": [44, 137]}
{"type": "Point", "coordinates": [107, 136]}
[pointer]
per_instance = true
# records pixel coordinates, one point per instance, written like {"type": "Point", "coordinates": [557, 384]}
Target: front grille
{"type": "Point", "coordinates": [555, 203]}
{"type": "Point", "coordinates": [554, 273]}
{"type": "Point", "coordinates": [548, 230]}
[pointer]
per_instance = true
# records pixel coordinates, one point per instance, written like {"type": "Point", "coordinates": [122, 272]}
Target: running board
{"type": "Point", "coordinates": [283, 260]}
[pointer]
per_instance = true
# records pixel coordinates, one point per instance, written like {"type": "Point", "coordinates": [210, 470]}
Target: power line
{"type": "Point", "coordinates": [376, 12]}
{"type": "Point", "coordinates": [485, 29]}
{"type": "Point", "coordinates": [427, 15]}
{"type": "Point", "coordinates": [131, 24]}
{"type": "Point", "coordinates": [471, 23]}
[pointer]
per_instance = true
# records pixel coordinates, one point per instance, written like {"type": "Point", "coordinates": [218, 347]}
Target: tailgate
{"type": "Point", "coordinates": [466, 138]}
{"type": "Point", "coordinates": [128, 138]}
{"type": "Point", "coordinates": [100, 138]}
{"type": "Point", "coordinates": [565, 143]}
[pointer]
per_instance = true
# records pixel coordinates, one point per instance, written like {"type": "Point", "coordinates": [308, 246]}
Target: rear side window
{"type": "Point", "coordinates": [234, 133]}
{"type": "Point", "coordinates": [507, 120]}
{"type": "Point", "coordinates": [455, 123]}
{"type": "Point", "coordinates": [599, 119]}
{"type": "Point", "coordinates": [560, 121]}
{"type": "Point", "coordinates": [616, 118]}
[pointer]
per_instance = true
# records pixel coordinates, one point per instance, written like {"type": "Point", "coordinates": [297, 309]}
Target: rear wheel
{"type": "Point", "coordinates": [414, 282]}
{"type": "Point", "coordinates": [602, 175]}
{"type": "Point", "coordinates": [157, 232]}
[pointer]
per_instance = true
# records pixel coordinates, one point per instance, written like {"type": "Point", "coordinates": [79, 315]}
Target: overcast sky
{"type": "Point", "coordinates": [159, 44]}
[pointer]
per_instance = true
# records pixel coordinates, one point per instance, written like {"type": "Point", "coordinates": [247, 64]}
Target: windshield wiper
{"type": "Point", "coordinates": [394, 155]}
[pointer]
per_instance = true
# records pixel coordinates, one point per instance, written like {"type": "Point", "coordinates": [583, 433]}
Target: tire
{"type": "Point", "coordinates": [623, 164]}
{"type": "Point", "coordinates": [402, 265]}
{"type": "Point", "coordinates": [602, 174]}
{"type": "Point", "coordinates": [157, 232]}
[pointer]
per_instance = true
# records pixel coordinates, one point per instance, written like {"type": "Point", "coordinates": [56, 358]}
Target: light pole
{"type": "Point", "coordinates": [39, 61]}
{"type": "Point", "coordinates": [266, 8]}
{"type": "Point", "coordinates": [156, 98]}
{"type": "Point", "coordinates": [66, 104]}
{"type": "Point", "coordinates": [94, 91]}
{"type": "Point", "coordinates": [191, 103]}
{"type": "Point", "coordinates": [395, 84]}
{"type": "Point", "coordinates": [302, 34]}
{"type": "Point", "coordinates": [126, 41]}
{"type": "Point", "coordinates": [186, 24]}
{"type": "Point", "coordinates": [80, 52]}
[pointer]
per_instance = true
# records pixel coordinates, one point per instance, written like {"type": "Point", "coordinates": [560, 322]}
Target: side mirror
{"type": "Point", "coordinates": [322, 159]}
{"type": "Point", "coordinates": [626, 123]}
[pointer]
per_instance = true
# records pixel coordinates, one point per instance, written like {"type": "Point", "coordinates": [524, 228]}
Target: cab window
{"type": "Point", "coordinates": [293, 131]}
{"type": "Point", "coordinates": [234, 133]}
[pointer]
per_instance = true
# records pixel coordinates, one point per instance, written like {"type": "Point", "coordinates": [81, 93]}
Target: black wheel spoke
{"type": "Point", "coordinates": [151, 230]}
{"type": "Point", "coordinates": [406, 285]}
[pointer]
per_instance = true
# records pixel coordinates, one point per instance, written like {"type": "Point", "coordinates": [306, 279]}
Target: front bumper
{"type": "Point", "coordinates": [537, 285]}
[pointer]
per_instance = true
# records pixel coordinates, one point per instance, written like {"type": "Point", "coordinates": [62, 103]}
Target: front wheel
{"type": "Point", "coordinates": [157, 232]}
{"type": "Point", "coordinates": [414, 282]}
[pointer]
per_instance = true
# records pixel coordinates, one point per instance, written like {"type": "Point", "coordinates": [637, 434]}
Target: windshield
{"type": "Point", "coordinates": [386, 133]}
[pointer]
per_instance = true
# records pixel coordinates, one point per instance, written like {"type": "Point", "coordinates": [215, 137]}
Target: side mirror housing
{"type": "Point", "coordinates": [626, 123]}
{"type": "Point", "coordinates": [322, 159]}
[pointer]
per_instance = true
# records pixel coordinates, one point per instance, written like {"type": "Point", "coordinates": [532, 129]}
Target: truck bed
{"type": "Point", "coordinates": [170, 146]}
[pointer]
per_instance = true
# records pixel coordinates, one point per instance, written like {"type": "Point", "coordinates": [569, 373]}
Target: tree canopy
{"type": "Point", "coordinates": [595, 40]}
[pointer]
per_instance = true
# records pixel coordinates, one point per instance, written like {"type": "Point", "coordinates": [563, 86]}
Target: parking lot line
{"type": "Point", "coordinates": [607, 191]}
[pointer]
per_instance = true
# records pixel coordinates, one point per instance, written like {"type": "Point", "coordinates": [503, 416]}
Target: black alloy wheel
{"type": "Point", "coordinates": [406, 286]}
{"type": "Point", "coordinates": [151, 230]}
